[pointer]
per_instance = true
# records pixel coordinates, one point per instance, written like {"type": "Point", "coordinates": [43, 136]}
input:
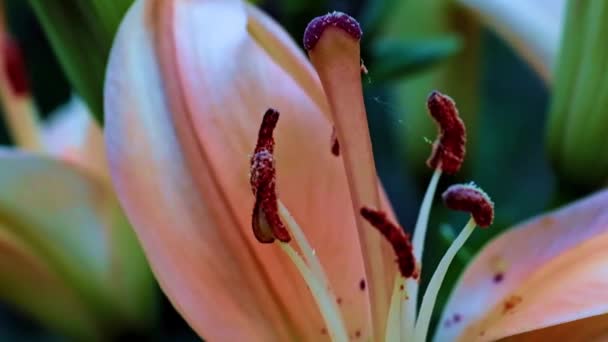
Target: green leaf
{"type": "Point", "coordinates": [81, 33]}
{"type": "Point", "coordinates": [395, 59]}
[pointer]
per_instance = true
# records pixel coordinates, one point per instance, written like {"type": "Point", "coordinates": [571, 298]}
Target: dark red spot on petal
{"type": "Point", "coordinates": [335, 144]}
{"type": "Point", "coordinates": [324, 331]}
{"type": "Point", "coordinates": [317, 26]}
{"type": "Point", "coordinates": [401, 288]}
{"type": "Point", "coordinates": [362, 284]}
{"type": "Point", "coordinates": [456, 318]}
{"type": "Point", "coordinates": [470, 198]}
{"type": "Point", "coordinates": [14, 67]}
{"type": "Point", "coordinates": [399, 240]}
{"type": "Point", "coordinates": [449, 147]}
{"type": "Point", "coordinates": [339, 300]}
{"type": "Point", "coordinates": [357, 333]}
{"type": "Point", "coordinates": [498, 278]}
{"type": "Point", "coordinates": [511, 303]}
{"type": "Point", "coordinates": [266, 222]}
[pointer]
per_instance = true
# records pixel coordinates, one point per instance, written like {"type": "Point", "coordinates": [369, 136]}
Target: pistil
{"type": "Point", "coordinates": [332, 42]}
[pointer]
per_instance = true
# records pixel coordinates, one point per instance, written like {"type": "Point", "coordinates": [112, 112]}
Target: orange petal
{"type": "Point", "coordinates": [278, 44]}
{"type": "Point", "coordinates": [548, 271]}
{"type": "Point", "coordinates": [588, 329]}
{"type": "Point", "coordinates": [179, 138]}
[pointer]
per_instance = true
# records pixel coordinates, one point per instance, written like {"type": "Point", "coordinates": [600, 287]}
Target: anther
{"type": "Point", "coordinates": [317, 26]}
{"type": "Point", "coordinates": [470, 198]}
{"type": "Point", "coordinates": [266, 222]}
{"type": "Point", "coordinates": [449, 147]}
{"type": "Point", "coordinates": [399, 240]}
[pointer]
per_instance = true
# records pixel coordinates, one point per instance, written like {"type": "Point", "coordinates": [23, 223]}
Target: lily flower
{"type": "Point", "coordinates": [69, 257]}
{"type": "Point", "coordinates": [295, 241]}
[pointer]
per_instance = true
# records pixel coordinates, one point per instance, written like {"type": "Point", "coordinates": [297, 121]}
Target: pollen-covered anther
{"type": "Point", "coordinates": [318, 25]}
{"type": "Point", "coordinates": [449, 147]}
{"type": "Point", "coordinates": [399, 240]}
{"type": "Point", "coordinates": [266, 222]}
{"type": "Point", "coordinates": [470, 198]}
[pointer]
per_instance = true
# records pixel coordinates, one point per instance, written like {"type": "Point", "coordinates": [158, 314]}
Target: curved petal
{"type": "Point", "coordinates": [179, 140]}
{"type": "Point", "coordinates": [71, 134]}
{"type": "Point", "coordinates": [592, 329]}
{"type": "Point", "coordinates": [73, 223]}
{"type": "Point", "coordinates": [532, 27]}
{"type": "Point", "coordinates": [275, 41]}
{"type": "Point", "coordinates": [548, 271]}
{"type": "Point", "coordinates": [55, 304]}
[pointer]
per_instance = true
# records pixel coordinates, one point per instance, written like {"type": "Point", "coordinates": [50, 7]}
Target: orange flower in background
{"type": "Point", "coordinates": [187, 85]}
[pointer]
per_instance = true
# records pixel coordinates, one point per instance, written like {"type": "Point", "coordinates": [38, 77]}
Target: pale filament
{"type": "Point", "coordinates": [314, 276]}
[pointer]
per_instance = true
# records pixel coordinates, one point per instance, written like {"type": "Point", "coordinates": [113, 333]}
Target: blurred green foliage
{"type": "Point", "coordinates": [82, 32]}
{"type": "Point", "coordinates": [578, 121]}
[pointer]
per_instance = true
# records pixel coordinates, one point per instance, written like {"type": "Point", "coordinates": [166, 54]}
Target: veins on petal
{"type": "Point", "coordinates": [265, 221]}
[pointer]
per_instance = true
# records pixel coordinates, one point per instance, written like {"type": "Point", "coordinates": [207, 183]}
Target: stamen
{"type": "Point", "coordinates": [300, 238]}
{"type": "Point", "coordinates": [19, 109]}
{"type": "Point", "coordinates": [327, 303]}
{"type": "Point", "coordinates": [409, 306]}
{"type": "Point", "coordinates": [399, 240]}
{"type": "Point", "coordinates": [470, 198]}
{"type": "Point", "coordinates": [393, 331]}
{"type": "Point", "coordinates": [459, 197]}
{"type": "Point", "coordinates": [402, 247]}
{"type": "Point", "coordinates": [267, 224]}
{"type": "Point", "coordinates": [332, 42]}
{"type": "Point", "coordinates": [449, 148]}
{"type": "Point", "coordinates": [447, 156]}
{"type": "Point", "coordinates": [430, 295]}
{"type": "Point", "coordinates": [265, 221]}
